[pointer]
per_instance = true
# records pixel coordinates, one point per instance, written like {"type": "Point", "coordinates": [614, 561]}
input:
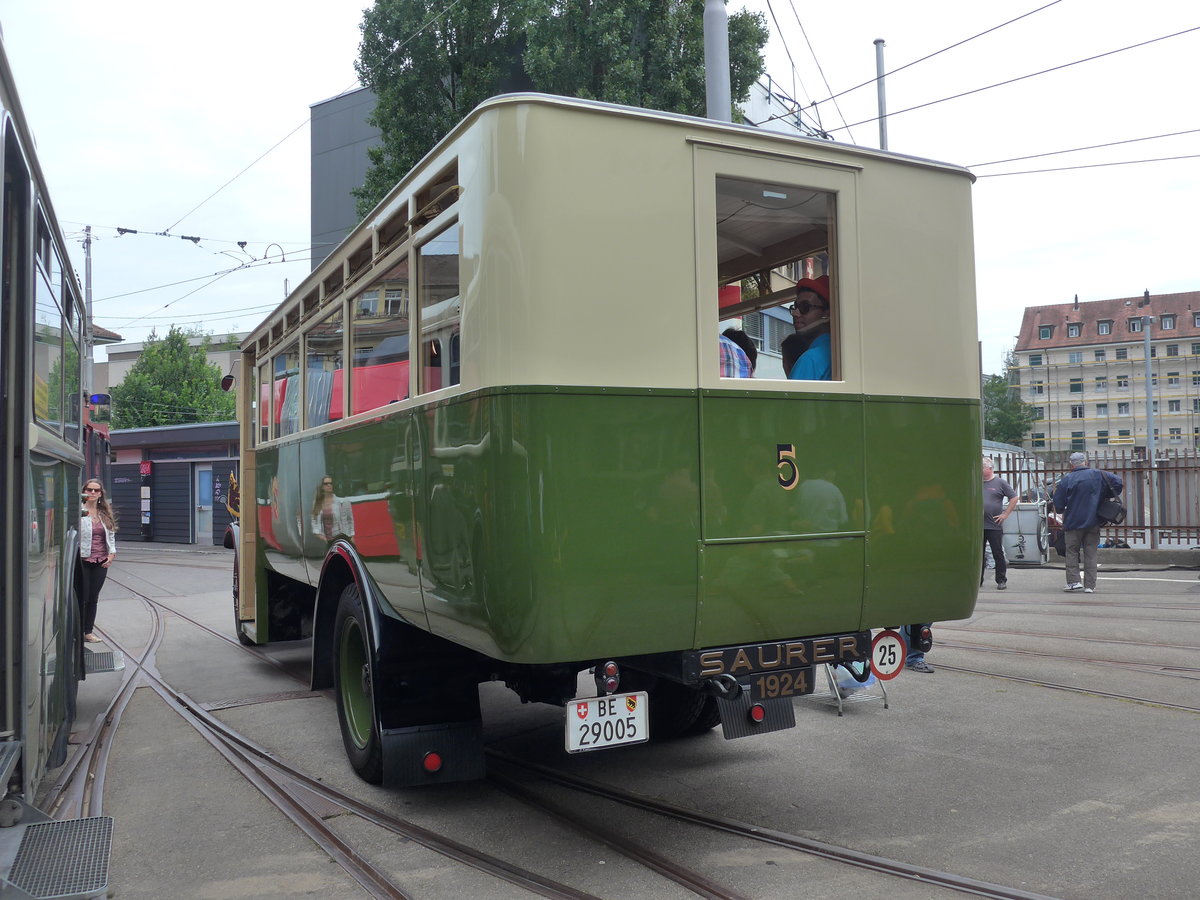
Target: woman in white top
{"type": "Point", "coordinates": [97, 549]}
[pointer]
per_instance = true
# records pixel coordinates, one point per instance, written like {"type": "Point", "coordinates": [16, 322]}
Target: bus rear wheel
{"type": "Point", "coordinates": [353, 674]}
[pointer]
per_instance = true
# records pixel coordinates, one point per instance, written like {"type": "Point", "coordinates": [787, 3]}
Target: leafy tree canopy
{"type": "Point", "coordinates": [172, 383]}
{"type": "Point", "coordinates": [428, 70]}
{"type": "Point", "coordinates": [1006, 417]}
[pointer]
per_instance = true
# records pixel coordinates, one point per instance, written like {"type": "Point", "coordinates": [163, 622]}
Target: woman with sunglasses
{"type": "Point", "coordinates": [97, 548]}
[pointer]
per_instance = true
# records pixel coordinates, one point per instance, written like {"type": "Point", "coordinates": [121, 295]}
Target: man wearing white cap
{"type": "Point", "coordinates": [1076, 499]}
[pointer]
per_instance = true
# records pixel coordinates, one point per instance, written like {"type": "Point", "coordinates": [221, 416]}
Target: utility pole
{"type": "Point", "coordinates": [89, 336]}
{"type": "Point", "coordinates": [718, 99]}
{"type": "Point", "coordinates": [879, 45]}
{"type": "Point", "coordinates": [1151, 449]}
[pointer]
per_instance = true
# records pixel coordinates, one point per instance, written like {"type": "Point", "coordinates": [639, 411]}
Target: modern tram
{"type": "Point", "coordinates": [489, 438]}
{"type": "Point", "coordinates": [48, 450]}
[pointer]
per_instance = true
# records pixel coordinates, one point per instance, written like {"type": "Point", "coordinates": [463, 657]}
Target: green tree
{"type": "Point", "coordinates": [1006, 417]}
{"type": "Point", "coordinates": [172, 383]}
{"type": "Point", "coordinates": [428, 70]}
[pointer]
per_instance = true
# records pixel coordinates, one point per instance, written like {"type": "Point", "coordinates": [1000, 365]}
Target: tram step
{"type": "Point", "coordinates": [10, 752]}
{"type": "Point", "coordinates": [96, 661]}
{"type": "Point", "coordinates": [64, 860]}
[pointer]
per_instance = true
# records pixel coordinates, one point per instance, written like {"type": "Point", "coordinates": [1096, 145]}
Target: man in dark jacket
{"type": "Point", "coordinates": [1076, 498]}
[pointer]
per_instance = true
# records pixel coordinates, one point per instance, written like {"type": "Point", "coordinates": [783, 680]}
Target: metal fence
{"type": "Point", "coordinates": [1163, 502]}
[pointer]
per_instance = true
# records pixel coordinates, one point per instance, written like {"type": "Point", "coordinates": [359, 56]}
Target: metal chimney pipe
{"type": "Point", "coordinates": [719, 103]}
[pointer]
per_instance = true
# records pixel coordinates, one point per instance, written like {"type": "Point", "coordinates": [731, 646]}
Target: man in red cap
{"type": "Point", "coordinates": [810, 316]}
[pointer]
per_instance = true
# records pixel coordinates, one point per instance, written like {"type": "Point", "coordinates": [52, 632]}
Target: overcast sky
{"type": "Point", "coordinates": [143, 110]}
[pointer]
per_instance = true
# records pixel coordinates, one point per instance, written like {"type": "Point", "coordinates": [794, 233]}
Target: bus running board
{"type": "Point", "coordinates": [96, 661]}
{"type": "Point", "coordinates": [66, 860]}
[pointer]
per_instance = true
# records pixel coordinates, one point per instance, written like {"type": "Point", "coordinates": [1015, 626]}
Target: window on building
{"type": "Point", "coordinates": [1035, 359]}
{"type": "Point", "coordinates": [1175, 435]}
{"type": "Point", "coordinates": [1173, 405]}
{"type": "Point", "coordinates": [1045, 332]}
{"type": "Point", "coordinates": [1172, 349]}
{"type": "Point", "coordinates": [1166, 323]}
{"type": "Point", "coordinates": [1122, 409]}
{"type": "Point", "coordinates": [1076, 385]}
{"type": "Point", "coordinates": [1101, 409]}
{"type": "Point", "coordinates": [1135, 325]}
{"type": "Point", "coordinates": [1196, 347]}
{"type": "Point", "coordinates": [1154, 406]}
{"type": "Point", "coordinates": [1123, 432]}
{"type": "Point", "coordinates": [1039, 412]}
{"type": "Point", "coordinates": [1101, 382]}
{"type": "Point", "coordinates": [1102, 438]}
{"type": "Point", "coordinates": [1153, 352]}
{"type": "Point", "coordinates": [1077, 441]}
{"type": "Point", "coordinates": [1195, 378]}
{"type": "Point", "coordinates": [1076, 410]}
{"type": "Point", "coordinates": [1172, 378]}
{"type": "Point", "coordinates": [1074, 330]}
{"type": "Point", "coordinates": [1100, 355]}
{"type": "Point", "coordinates": [1038, 439]}
{"type": "Point", "coordinates": [1196, 406]}
{"type": "Point", "coordinates": [1154, 380]}
{"type": "Point", "coordinates": [1104, 326]}
{"type": "Point", "coordinates": [1122, 382]}
{"type": "Point", "coordinates": [1075, 356]}
{"type": "Point", "coordinates": [1037, 388]}
{"type": "Point", "coordinates": [1122, 353]}
{"type": "Point", "coordinates": [379, 339]}
{"type": "Point", "coordinates": [441, 310]}
{"type": "Point", "coordinates": [1195, 323]}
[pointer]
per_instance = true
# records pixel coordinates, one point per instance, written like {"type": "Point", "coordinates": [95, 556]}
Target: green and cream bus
{"type": "Point", "coordinates": [489, 437]}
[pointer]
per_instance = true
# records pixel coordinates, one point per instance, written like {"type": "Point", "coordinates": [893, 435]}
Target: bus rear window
{"type": "Point", "coordinates": [777, 300]}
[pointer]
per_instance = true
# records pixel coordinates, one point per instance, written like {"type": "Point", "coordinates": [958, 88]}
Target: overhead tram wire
{"type": "Point", "coordinates": [1127, 162]}
{"type": "Point", "coordinates": [836, 105]}
{"type": "Point", "coordinates": [796, 79]}
{"type": "Point", "coordinates": [1153, 137]}
{"type": "Point", "coordinates": [1031, 75]}
{"type": "Point", "coordinates": [395, 50]}
{"type": "Point", "coordinates": [935, 53]}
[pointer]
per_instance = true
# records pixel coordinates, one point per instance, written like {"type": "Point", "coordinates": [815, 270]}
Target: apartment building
{"type": "Point", "coordinates": [1082, 367]}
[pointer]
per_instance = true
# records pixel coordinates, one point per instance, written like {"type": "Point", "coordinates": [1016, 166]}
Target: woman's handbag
{"type": "Point", "coordinates": [1110, 511]}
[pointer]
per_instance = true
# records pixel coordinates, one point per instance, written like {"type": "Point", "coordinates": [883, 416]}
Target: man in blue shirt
{"type": "Point", "coordinates": [1076, 498]}
{"type": "Point", "coordinates": [810, 316]}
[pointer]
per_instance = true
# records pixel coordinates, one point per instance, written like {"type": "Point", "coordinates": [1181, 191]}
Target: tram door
{"type": "Point", "coordinates": [204, 503]}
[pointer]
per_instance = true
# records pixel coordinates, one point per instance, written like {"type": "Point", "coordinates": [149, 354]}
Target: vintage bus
{"type": "Point", "coordinates": [48, 450]}
{"type": "Point", "coordinates": [490, 438]}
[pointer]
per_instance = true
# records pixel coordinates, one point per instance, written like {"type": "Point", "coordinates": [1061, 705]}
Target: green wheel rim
{"type": "Point", "coordinates": [356, 695]}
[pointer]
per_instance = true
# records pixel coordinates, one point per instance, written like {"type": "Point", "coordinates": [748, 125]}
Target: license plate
{"type": "Point", "coordinates": [594, 723]}
{"type": "Point", "coordinates": [786, 683]}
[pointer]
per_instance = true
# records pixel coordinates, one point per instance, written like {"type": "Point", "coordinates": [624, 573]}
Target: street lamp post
{"type": "Point", "coordinates": [1151, 449]}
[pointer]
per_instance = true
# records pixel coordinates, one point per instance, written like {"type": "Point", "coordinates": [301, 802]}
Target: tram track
{"type": "Point", "coordinates": [285, 787]}
{"type": "Point", "coordinates": [501, 769]}
{"type": "Point", "coordinates": [1190, 672]}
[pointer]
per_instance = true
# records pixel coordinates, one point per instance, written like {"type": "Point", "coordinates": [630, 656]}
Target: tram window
{"type": "Point", "coordinates": [774, 247]}
{"type": "Point", "coordinates": [47, 358]}
{"type": "Point", "coordinates": [323, 371]}
{"type": "Point", "coordinates": [286, 391]}
{"type": "Point", "coordinates": [441, 311]}
{"type": "Point", "coordinates": [263, 407]}
{"type": "Point", "coordinates": [379, 341]}
{"type": "Point", "coordinates": [72, 390]}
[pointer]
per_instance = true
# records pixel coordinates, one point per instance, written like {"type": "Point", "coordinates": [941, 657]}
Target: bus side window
{"type": "Point", "coordinates": [323, 371]}
{"type": "Point", "coordinates": [286, 391]}
{"type": "Point", "coordinates": [441, 310]}
{"type": "Point", "coordinates": [379, 341]}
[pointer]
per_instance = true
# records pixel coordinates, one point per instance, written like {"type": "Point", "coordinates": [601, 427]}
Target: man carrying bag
{"type": "Point", "coordinates": [1078, 500]}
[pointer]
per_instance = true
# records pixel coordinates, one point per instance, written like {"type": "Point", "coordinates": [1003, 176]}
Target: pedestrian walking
{"type": "Point", "coordinates": [1076, 499]}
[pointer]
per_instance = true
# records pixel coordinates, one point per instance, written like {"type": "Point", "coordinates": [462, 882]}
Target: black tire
{"type": "Point", "coordinates": [353, 680]}
{"type": "Point", "coordinates": [675, 710]}
{"type": "Point", "coordinates": [237, 612]}
{"type": "Point", "coordinates": [708, 719]}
